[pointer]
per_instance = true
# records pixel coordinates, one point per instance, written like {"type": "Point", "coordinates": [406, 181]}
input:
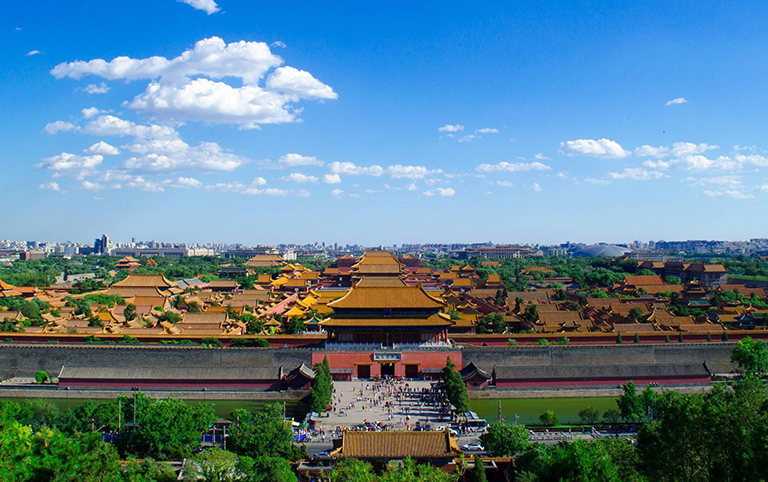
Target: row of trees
{"type": "Point", "coordinates": [321, 392]}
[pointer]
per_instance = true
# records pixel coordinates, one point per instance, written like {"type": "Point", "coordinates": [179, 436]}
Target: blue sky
{"type": "Point", "coordinates": [268, 122]}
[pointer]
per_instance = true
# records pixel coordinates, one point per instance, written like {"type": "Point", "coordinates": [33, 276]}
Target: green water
{"type": "Point", "coordinates": [529, 409]}
{"type": "Point", "coordinates": [223, 408]}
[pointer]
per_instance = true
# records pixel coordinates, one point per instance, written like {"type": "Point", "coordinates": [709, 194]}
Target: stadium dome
{"type": "Point", "coordinates": [607, 250]}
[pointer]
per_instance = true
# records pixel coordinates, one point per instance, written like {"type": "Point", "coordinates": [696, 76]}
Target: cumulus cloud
{"type": "Point", "coordinates": [728, 193]}
{"type": "Point", "coordinates": [724, 181]}
{"type": "Point", "coordinates": [513, 167]}
{"type": "Point", "coordinates": [59, 126]}
{"type": "Point", "coordinates": [300, 83]}
{"type": "Point", "coordinates": [299, 178]}
{"type": "Point", "coordinates": [50, 186]}
{"type": "Point", "coordinates": [190, 87]}
{"type": "Point", "coordinates": [186, 183]}
{"type": "Point", "coordinates": [677, 101]}
{"type": "Point", "coordinates": [102, 148]}
{"type": "Point", "coordinates": [332, 179]}
{"type": "Point", "coordinates": [600, 148]}
{"type": "Point", "coordinates": [160, 148]}
{"type": "Point", "coordinates": [504, 183]}
{"type": "Point", "coordinates": [411, 172]}
{"type": "Point", "coordinates": [440, 191]}
{"type": "Point", "coordinates": [351, 169]}
{"type": "Point", "coordinates": [96, 89]}
{"type": "Point", "coordinates": [487, 130]}
{"type": "Point", "coordinates": [33, 52]}
{"type": "Point", "coordinates": [91, 186]}
{"type": "Point", "coordinates": [278, 43]}
{"type": "Point", "coordinates": [677, 149]}
{"type": "Point", "coordinates": [299, 160]}
{"type": "Point", "coordinates": [66, 164]}
{"type": "Point", "coordinates": [412, 187]}
{"type": "Point", "coordinates": [337, 193]}
{"type": "Point", "coordinates": [541, 157]}
{"type": "Point", "coordinates": [597, 181]}
{"type": "Point", "coordinates": [536, 187]}
{"type": "Point", "coordinates": [207, 6]}
{"type": "Point", "coordinates": [468, 138]}
{"type": "Point", "coordinates": [635, 174]}
{"type": "Point", "coordinates": [451, 128]}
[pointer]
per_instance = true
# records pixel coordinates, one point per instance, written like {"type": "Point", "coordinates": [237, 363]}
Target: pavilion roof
{"type": "Point", "coordinates": [398, 297]}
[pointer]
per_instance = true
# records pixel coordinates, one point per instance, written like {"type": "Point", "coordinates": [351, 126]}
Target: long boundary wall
{"type": "Point", "coordinates": [717, 356]}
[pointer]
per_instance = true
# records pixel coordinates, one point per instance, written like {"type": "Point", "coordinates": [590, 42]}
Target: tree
{"type": "Point", "coordinates": [629, 403]}
{"type": "Point", "coordinates": [267, 469]}
{"type": "Point", "coordinates": [751, 356]}
{"type": "Point", "coordinates": [293, 326]}
{"type": "Point", "coordinates": [635, 314]}
{"type": "Point", "coordinates": [42, 377]}
{"type": "Point", "coordinates": [129, 312]}
{"type": "Point", "coordinates": [210, 342]}
{"type": "Point", "coordinates": [492, 323]}
{"type": "Point", "coordinates": [194, 307]}
{"type": "Point", "coordinates": [564, 340]}
{"type": "Point", "coordinates": [353, 470]}
{"type": "Point", "coordinates": [725, 336]}
{"type": "Point", "coordinates": [171, 428]}
{"type": "Point", "coordinates": [611, 415]}
{"type": "Point", "coordinates": [454, 386]}
{"type": "Point", "coordinates": [680, 337]}
{"type": "Point", "coordinates": [147, 470]}
{"type": "Point", "coordinates": [214, 465]}
{"type": "Point", "coordinates": [549, 418]}
{"type": "Point", "coordinates": [505, 440]}
{"type": "Point", "coordinates": [263, 434]}
{"type": "Point", "coordinates": [637, 338]}
{"type": "Point", "coordinates": [169, 316]}
{"type": "Point", "coordinates": [619, 341]}
{"type": "Point", "coordinates": [321, 391]}
{"type": "Point", "coordinates": [589, 415]}
{"type": "Point", "coordinates": [478, 471]}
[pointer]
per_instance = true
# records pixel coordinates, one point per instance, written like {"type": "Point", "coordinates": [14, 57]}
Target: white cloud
{"type": "Point", "coordinates": [300, 83]}
{"type": "Point", "coordinates": [728, 193]}
{"type": "Point", "coordinates": [412, 187]}
{"type": "Point", "coordinates": [332, 179]}
{"type": "Point", "coordinates": [96, 89]}
{"type": "Point", "coordinates": [635, 174]}
{"type": "Point", "coordinates": [744, 148]}
{"type": "Point", "coordinates": [724, 181]}
{"type": "Point", "coordinates": [66, 164]}
{"type": "Point", "coordinates": [337, 193]}
{"type": "Point", "coordinates": [763, 187]}
{"type": "Point", "coordinates": [60, 126]}
{"type": "Point", "coordinates": [601, 148]}
{"type": "Point", "coordinates": [102, 148]}
{"type": "Point", "coordinates": [504, 184]}
{"type": "Point", "coordinates": [451, 128]}
{"type": "Point", "coordinates": [650, 151]}
{"type": "Point", "coordinates": [440, 191]}
{"type": "Point", "coordinates": [33, 52]}
{"type": "Point", "coordinates": [513, 167]}
{"type": "Point", "coordinates": [487, 130]}
{"type": "Point", "coordinates": [278, 43]}
{"type": "Point", "coordinates": [536, 187]}
{"type": "Point", "coordinates": [349, 168]}
{"type": "Point", "coordinates": [411, 172]}
{"type": "Point", "coordinates": [541, 157]}
{"type": "Point", "coordinates": [299, 160]}
{"type": "Point", "coordinates": [50, 186]}
{"type": "Point", "coordinates": [677, 101]}
{"type": "Point", "coordinates": [91, 186]}
{"type": "Point", "coordinates": [752, 159]}
{"type": "Point", "coordinates": [468, 138]}
{"type": "Point", "coordinates": [207, 6]}
{"type": "Point", "coordinates": [159, 148]}
{"type": "Point", "coordinates": [597, 181]}
{"type": "Point", "coordinates": [186, 183]}
{"type": "Point", "coordinates": [299, 178]}
{"type": "Point", "coordinates": [91, 112]}
{"type": "Point", "coordinates": [190, 86]}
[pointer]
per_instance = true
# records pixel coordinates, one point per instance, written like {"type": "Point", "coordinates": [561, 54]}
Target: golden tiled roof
{"type": "Point", "coordinates": [397, 445]}
{"type": "Point", "coordinates": [387, 297]}
{"type": "Point", "coordinates": [432, 321]}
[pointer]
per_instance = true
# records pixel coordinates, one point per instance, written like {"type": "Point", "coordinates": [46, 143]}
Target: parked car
{"type": "Point", "coordinates": [322, 455]}
{"type": "Point", "coordinates": [473, 447]}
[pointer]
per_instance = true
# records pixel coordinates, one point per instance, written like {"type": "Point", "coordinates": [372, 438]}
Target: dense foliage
{"type": "Point", "coordinates": [321, 392]}
{"type": "Point", "coordinates": [454, 386]}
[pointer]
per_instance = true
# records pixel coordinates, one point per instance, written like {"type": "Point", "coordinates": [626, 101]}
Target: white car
{"type": "Point", "coordinates": [473, 447]}
{"type": "Point", "coordinates": [322, 455]}
{"type": "Point", "coordinates": [453, 432]}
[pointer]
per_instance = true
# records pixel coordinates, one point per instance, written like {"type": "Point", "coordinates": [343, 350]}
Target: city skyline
{"type": "Point", "coordinates": [231, 122]}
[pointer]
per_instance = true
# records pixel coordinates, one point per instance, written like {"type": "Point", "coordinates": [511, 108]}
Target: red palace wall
{"type": "Point", "coordinates": [173, 384]}
{"type": "Point", "coordinates": [424, 359]}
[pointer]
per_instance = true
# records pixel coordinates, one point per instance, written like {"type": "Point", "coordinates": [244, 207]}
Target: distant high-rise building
{"type": "Point", "coordinates": [101, 245]}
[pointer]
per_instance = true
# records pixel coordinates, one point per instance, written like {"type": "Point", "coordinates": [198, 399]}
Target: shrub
{"type": "Point", "coordinates": [511, 342]}
{"type": "Point", "coordinates": [42, 377]}
{"type": "Point", "coordinates": [618, 339]}
{"type": "Point", "coordinates": [549, 418]}
{"type": "Point", "coordinates": [543, 342]}
{"type": "Point", "coordinates": [211, 342]}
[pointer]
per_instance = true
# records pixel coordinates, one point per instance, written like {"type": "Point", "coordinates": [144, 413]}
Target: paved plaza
{"type": "Point", "coordinates": [400, 405]}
